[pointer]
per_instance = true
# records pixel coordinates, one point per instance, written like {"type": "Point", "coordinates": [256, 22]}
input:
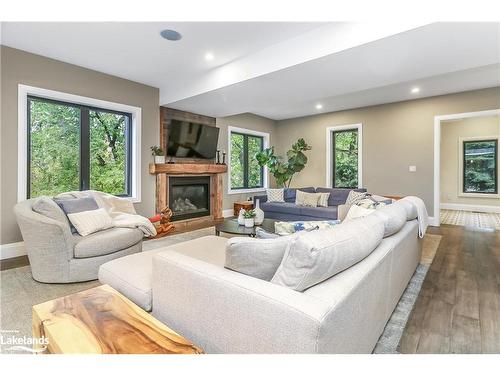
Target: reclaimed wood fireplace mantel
{"type": "Point", "coordinates": [215, 171]}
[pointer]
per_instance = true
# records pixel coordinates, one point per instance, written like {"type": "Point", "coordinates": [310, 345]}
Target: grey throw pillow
{"type": "Point", "coordinates": [75, 205]}
{"type": "Point", "coordinates": [318, 255]}
{"type": "Point", "coordinates": [47, 207]}
{"type": "Point", "coordinates": [255, 257]}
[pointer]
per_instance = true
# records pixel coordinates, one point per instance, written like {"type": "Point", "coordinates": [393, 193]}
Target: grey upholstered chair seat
{"type": "Point", "coordinates": [106, 242]}
{"type": "Point", "coordinates": [56, 255]}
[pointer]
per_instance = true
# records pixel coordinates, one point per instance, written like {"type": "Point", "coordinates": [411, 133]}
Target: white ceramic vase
{"type": "Point", "coordinates": [249, 223]}
{"type": "Point", "coordinates": [160, 159]}
{"type": "Point", "coordinates": [259, 214]}
{"type": "Point", "coordinates": [241, 219]}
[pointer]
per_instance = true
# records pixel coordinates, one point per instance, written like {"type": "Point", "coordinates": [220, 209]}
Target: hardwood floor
{"type": "Point", "coordinates": [458, 309]}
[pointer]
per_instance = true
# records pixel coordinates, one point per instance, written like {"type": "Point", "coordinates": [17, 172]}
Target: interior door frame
{"type": "Point", "coordinates": [437, 153]}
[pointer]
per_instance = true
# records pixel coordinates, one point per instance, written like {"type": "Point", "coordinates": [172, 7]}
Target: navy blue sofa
{"type": "Point", "coordinates": [289, 211]}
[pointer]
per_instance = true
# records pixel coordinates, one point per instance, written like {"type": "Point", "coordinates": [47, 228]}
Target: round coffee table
{"type": "Point", "coordinates": [231, 226]}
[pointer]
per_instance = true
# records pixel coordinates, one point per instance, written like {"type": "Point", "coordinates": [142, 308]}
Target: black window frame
{"type": "Point", "coordinates": [84, 144]}
{"type": "Point", "coordinates": [245, 161]}
{"type": "Point", "coordinates": [334, 132]}
{"type": "Point", "coordinates": [464, 166]}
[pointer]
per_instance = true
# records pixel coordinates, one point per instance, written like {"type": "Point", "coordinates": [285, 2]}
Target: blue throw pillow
{"type": "Point", "coordinates": [75, 205]}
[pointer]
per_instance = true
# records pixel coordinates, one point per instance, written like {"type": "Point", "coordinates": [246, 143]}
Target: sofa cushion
{"type": "Point", "coordinates": [318, 255]}
{"type": "Point", "coordinates": [256, 257]}
{"type": "Point", "coordinates": [47, 207]}
{"type": "Point", "coordinates": [132, 275]}
{"type": "Point", "coordinates": [291, 193]}
{"type": "Point", "coordinates": [320, 212]}
{"type": "Point", "coordinates": [337, 196]}
{"type": "Point", "coordinates": [393, 217]}
{"type": "Point", "coordinates": [287, 207]}
{"type": "Point", "coordinates": [105, 242]}
{"type": "Point", "coordinates": [410, 208]}
{"type": "Point", "coordinates": [355, 212]}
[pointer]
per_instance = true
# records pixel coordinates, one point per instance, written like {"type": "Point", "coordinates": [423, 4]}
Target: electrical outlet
{"type": "Point", "coordinates": [412, 168]}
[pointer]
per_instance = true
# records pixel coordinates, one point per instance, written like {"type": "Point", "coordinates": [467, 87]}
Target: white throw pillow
{"type": "Point", "coordinates": [88, 222]}
{"type": "Point", "coordinates": [275, 195]}
{"type": "Point", "coordinates": [318, 255]}
{"type": "Point", "coordinates": [356, 211]}
{"type": "Point", "coordinates": [306, 199]}
{"type": "Point", "coordinates": [256, 257]}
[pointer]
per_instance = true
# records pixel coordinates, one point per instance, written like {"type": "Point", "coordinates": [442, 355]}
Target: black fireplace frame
{"type": "Point", "coordinates": [189, 181]}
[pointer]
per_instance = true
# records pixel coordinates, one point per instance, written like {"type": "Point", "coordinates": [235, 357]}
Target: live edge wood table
{"type": "Point", "coordinates": [102, 321]}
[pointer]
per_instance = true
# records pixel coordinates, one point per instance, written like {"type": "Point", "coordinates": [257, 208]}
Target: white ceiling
{"type": "Point", "coordinates": [277, 70]}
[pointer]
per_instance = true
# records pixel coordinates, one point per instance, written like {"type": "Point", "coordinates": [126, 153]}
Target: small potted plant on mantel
{"type": "Point", "coordinates": [158, 154]}
{"type": "Point", "coordinates": [249, 218]}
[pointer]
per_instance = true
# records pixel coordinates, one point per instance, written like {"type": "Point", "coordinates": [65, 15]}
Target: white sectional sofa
{"type": "Point", "coordinates": [224, 311]}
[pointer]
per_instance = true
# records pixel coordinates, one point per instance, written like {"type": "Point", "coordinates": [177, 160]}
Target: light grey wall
{"type": "Point", "coordinates": [19, 67]}
{"type": "Point", "coordinates": [451, 132]}
{"type": "Point", "coordinates": [395, 136]}
{"type": "Point", "coordinates": [246, 121]}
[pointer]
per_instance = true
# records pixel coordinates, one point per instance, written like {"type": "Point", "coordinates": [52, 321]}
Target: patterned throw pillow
{"type": "Point", "coordinates": [323, 199]}
{"type": "Point", "coordinates": [284, 228]}
{"type": "Point", "coordinates": [306, 199]}
{"type": "Point", "coordinates": [275, 195]}
{"type": "Point", "coordinates": [354, 196]}
{"type": "Point", "coordinates": [369, 203]}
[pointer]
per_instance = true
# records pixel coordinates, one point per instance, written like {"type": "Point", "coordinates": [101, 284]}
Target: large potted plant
{"type": "Point", "coordinates": [283, 171]}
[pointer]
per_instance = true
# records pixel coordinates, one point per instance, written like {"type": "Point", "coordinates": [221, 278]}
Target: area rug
{"type": "Point", "coordinates": [393, 331]}
{"type": "Point", "coordinates": [19, 292]}
{"type": "Point", "coordinates": [484, 220]}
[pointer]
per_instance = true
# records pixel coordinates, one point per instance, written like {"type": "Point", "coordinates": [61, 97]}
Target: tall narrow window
{"type": "Point", "coordinates": [480, 168]}
{"type": "Point", "coordinates": [345, 158]}
{"type": "Point", "coordinates": [245, 170]}
{"type": "Point", "coordinates": [75, 147]}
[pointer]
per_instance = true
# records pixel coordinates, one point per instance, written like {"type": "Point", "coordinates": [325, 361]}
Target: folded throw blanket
{"type": "Point", "coordinates": [422, 216]}
{"type": "Point", "coordinates": [121, 210]}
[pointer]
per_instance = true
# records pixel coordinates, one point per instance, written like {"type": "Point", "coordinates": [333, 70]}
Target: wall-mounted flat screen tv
{"type": "Point", "coordinates": [191, 140]}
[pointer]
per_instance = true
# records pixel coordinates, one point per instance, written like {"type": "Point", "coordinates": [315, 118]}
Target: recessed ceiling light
{"type": "Point", "coordinates": [209, 56]}
{"type": "Point", "coordinates": [319, 106]}
{"type": "Point", "coordinates": [171, 35]}
{"type": "Point", "coordinates": [415, 90]}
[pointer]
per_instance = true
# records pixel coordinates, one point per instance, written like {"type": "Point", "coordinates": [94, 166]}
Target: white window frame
{"type": "Point", "coordinates": [329, 151]}
{"type": "Point", "coordinates": [265, 136]}
{"type": "Point", "coordinates": [22, 147]}
{"type": "Point", "coordinates": [461, 192]}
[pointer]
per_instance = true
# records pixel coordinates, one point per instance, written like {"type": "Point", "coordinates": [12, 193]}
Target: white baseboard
{"type": "Point", "coordinates": [433, 222]}
{"type": "Point", "coordinates": [469, 207]}
{"type": "Point", "coordinates": [12, 250]}
{"type": "Point", "coordinates": [228, 213]}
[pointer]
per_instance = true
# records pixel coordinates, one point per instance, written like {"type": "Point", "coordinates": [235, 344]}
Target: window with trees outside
{"type": "Point", "coordinates": [245, 170]}
{"type": "Point", "coordinates": [76, 147]}
{"type": "Point", "coordinates": [480, 168]}
{"type": "Point", "coordinates": [345, 158]}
